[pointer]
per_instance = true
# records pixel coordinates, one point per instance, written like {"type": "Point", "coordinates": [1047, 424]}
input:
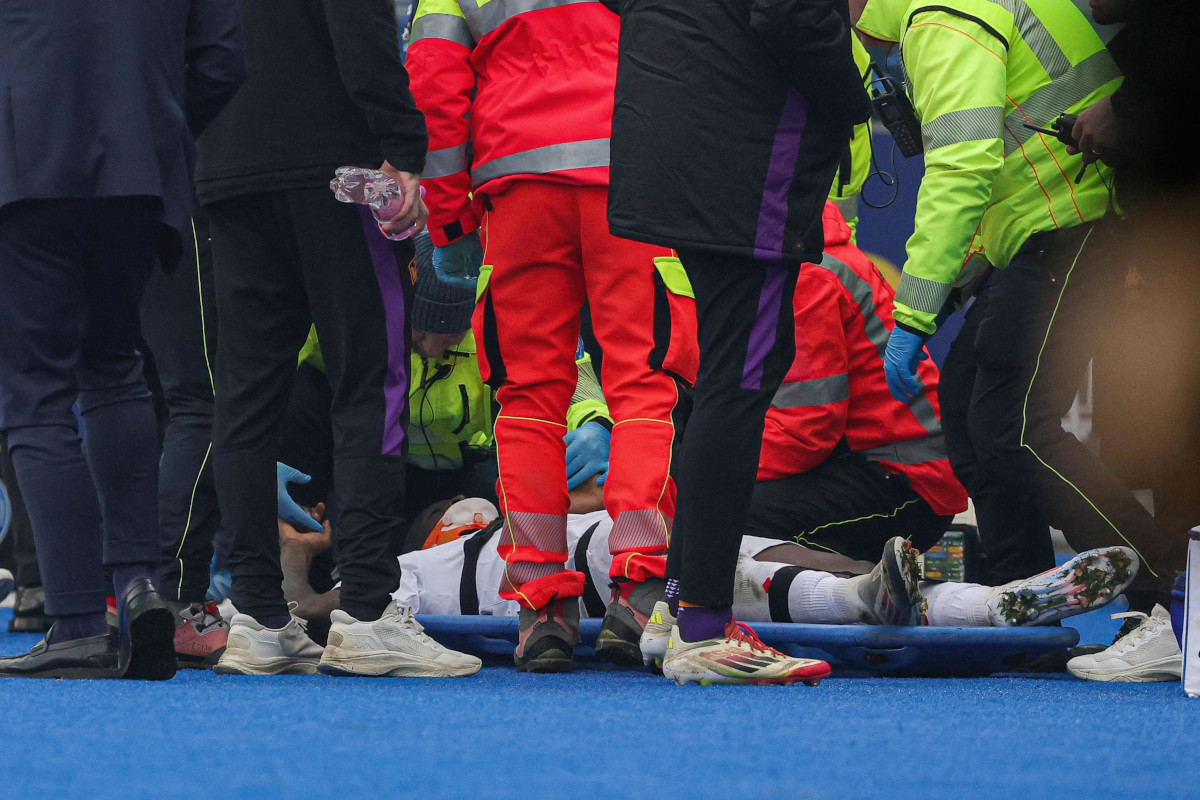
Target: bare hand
{"type": "Point", "coordinates": [412, 213]}
{"type": "Point", "coordinates": [1097, 133]}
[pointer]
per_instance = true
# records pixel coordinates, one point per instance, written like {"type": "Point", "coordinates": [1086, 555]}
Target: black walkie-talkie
{"type": "Point", "coordinates": [896, 112]}
{"type": "Point", "coordinates": [1063, 129]}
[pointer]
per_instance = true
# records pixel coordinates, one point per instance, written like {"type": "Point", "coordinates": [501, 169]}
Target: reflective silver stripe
{"type": "Point", "coordinates": [553, 158]}
{"type": "Point", "coordinates": [450, 27]}
{"type": "Point", "coordinates": [877, 333]}
{"type": "Point", "coordinates": [1036, 37]}
{"type": "Point", "coordinates": [913, 451]}
{"type": "Point", "coordinates": [922, 294]}
{"type": "Point", "coordinates": [1054, 98]}
{"type": "Point", "coordinates": [447, 161]}
{"type": "Point", "coordinates": [485, 17]}
{"type": "Point", "coordinates": [848, 206]}
{"type": "Point", "coordinates": [815, 392]}
{"type": "Point", "coordinates": [965, 125]}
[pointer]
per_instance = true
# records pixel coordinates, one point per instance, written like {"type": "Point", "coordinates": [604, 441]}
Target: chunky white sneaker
{"type": "Point", "coordinates": [1088, 581]}
{"type": "Point", "coordinates": [256, 650]}
{"type": "Point", "coordinates": [656, 634]}
{"type": "Point", "coordinates": [393, 646]}
{"type": "Point", "coordinates": [738, 657]}
{"type": "Point", "coordinates": [1147, 654]}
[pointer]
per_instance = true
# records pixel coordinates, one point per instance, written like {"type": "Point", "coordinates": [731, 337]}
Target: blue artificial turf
{"type": "Point", "coordinates": [591, 734]}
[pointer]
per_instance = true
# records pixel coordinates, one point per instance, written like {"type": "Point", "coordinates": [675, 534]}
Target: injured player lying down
{"type": "Point", "coordinates": [458, 571]}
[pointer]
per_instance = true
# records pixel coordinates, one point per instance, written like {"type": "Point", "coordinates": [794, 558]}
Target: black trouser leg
{"type": "Point", "coordinates": [1032, 346]}
{"type": "Point", "coordinates": [70, 305]}
{"type": "Point", "coordinates": [1012, 531]}
{"type": "Point", "coordinates": [179, 323]}
{"type": "Point", "coordinates": [1080, 495]}
{"type": "Point", "coordinates": [846, 505]}
{"type": "Point", "coordinates": [20, 531]}
{"type": "Point", "coordinates": [264, 317]}
{"type": "Point", "coordinates": [360, 287]}
{"type": "Point", "coordinates": [747, 342]}
{"type": "Point", "coordinates": [283, 259]}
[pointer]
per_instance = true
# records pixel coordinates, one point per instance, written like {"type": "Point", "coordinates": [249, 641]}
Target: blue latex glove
{"type": "Point", "coordinates": [458, 263]}
{"type": "Point", "coordinates": [905, 350]}
{"type": "Point", "coordinates": [587, 453]}
{"type": "Point", "coordinates": [289, 510]}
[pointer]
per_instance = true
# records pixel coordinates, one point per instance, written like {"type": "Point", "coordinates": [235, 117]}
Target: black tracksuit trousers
{"type": "Point", "coordinates": [747, 343]}
{"type": "Point", "coordinates": [1010, 377]}
{"type": "Point", "coordinates": [845, 505]}
{"type": "Point", "coordinates": [179, 323]}
{"type": "Point", "coordinates": [282, 260]}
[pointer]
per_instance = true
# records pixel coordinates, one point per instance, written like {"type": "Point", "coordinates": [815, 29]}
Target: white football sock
{"type": "Point", "coordinates": [822, 598]}
{"type": "Point", "coordinates": [957, 604]}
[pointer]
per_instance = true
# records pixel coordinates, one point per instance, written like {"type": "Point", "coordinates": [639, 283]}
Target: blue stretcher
{"type": "Point", "coordinates": [852, 650]}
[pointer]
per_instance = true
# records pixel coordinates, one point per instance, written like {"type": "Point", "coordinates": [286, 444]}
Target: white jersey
{"type": "Point", "coordinates": [431, 579]}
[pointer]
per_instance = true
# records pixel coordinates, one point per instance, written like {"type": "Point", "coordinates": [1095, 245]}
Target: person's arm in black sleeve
{"type": "Point", "coordinates": [368, 57]}
{"type": "Point", "coordinates": [215, 60]}
{"type": "Point", "coordinates": [811, 41]}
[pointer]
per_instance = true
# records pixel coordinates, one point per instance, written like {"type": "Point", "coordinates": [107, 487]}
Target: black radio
{"type": "Point", "coordinates": [896, 112]}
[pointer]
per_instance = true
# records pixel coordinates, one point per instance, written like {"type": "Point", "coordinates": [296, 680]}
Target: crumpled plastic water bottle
{"type": "Point", "coordinates": [373, 188]}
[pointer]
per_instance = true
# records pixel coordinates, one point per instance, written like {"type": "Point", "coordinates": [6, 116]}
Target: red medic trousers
{"type": "Point", "coordinates": [549, 250]}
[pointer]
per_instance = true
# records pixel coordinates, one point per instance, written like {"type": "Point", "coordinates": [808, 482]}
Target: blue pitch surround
{"type": "Point", "coordinates": [591, 734]}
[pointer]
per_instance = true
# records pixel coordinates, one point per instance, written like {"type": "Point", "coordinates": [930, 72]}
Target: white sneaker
{"type": "Point", "coordinates": [393, 646]}
{"type": "Point", "coordinates": [1148, 653]}
{"type": "Point", "coordinates": [256, 650]}
{"type": "Point", "coordinates": [738, 657]}
{"type": "Point", "coordinates": [656, 634]}
{"type": "Point", "coordinates": [1088, 581]}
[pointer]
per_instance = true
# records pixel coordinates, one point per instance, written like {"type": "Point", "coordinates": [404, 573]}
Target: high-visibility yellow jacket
{"type": "Point", "coordinates": [848, 183]}
{"type": "Point", "coordinates": [977, 70]}
{"type": "Point", "coordinates": [449, 405]}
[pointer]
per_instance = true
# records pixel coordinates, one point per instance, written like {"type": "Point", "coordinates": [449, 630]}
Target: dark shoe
{"type": "Point", "coordinates": [548, 637]}
{"type": "Point", "coordinates": [146, 630]}
{"type": "Point", "coordinates": [29, 611]}
{"type": "Point", "coordinates": [625, 619]}
{"type": "Point", "coordinates": [89, 657]}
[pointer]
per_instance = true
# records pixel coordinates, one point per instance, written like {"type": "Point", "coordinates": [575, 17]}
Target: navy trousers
{"type": "Point", "coordinates": [72, 273]}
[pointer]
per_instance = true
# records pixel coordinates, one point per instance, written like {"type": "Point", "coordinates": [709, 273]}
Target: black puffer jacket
{"type": "Point", "coordinates": [731, 117]}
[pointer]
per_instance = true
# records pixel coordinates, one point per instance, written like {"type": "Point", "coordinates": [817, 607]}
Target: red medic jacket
{"type": "Point", "coordinates": [510, 89]}
{"type": "Point", "coordinates": [836, 388]}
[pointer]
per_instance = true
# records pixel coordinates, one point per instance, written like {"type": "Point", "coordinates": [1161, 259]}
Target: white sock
{"type": "Point", "coordinates": [957, 604]}
{"type": "Point", "coordinates": [821, 598]}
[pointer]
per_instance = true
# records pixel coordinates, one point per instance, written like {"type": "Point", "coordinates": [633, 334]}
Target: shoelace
{"type": "Point", "coordinates": [407, 620]}
{"type": "Point", "coordinates": [303, 623]}
{"type": "Point", "coordinates": [1127, 639]}
{"type": "Point", "coordinates": [741, 632]}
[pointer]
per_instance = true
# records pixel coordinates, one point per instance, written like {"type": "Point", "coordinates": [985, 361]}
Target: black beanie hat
{"type": "Point", "coordinates": [438, 307]}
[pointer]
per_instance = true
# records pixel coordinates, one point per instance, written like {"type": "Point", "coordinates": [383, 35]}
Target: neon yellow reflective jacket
{"type": "Point", "coordinates": [978, 70]}
{"type": "Point", "coordinates": [450, 406]}
{"type": "Point", "coordinates": [845, 195]}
